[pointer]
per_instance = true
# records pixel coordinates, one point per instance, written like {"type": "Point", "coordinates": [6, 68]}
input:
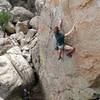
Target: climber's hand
{"type": "Point", "coordinates": [60, 23]}
{"type": "Point", "coordinates": [74, 28]}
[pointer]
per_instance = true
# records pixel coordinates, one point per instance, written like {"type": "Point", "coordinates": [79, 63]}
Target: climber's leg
{"type": "Point", "coordinates": [61, 52]}
{"type": "Point", "coordinates": [70, 50]}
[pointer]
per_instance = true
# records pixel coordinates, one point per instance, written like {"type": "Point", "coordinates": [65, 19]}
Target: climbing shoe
{"type": "Point", "coordinates": [56, 48]}
{"type": "Point", "coordinates": [60, 58]}
{"type": "Point", "coordinates": [69, 55]}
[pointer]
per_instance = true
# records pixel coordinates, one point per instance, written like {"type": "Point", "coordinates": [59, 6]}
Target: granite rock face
{"type": "Point", "coordinates": [34, 22]}
{"type": "Point", "coordinates": [39, 5]}
{"type": "Point", "coordinates": [16, 43]}
{"type": "Point", "coordinates": [14, 72]}
{"type": "Point", "coordinates": [75, 78]}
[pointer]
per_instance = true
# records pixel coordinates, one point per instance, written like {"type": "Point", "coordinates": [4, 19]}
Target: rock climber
{"type": "Point", "coordinates": [60, 44]}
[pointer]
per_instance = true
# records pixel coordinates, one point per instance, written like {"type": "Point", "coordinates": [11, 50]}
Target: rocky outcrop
{"type": "Point", "coordinates": [17, 69]}
{"type": "Point", "coordinates": [34, 22]}
{"type": "Point", "coordinates": [75, 78]}
{"type": "Point", "coordinates": [9, 28]}
{"type": "Point", "coordinates": [4, 4]}
{"type": "Point", "coordinates": [2, 34]}
{"type": "Point", "coordinates": [28, 4]}
{"type": "Point", "coordinates": [31, 5]}
{"type": "Point", "coordinates": [30, 34]}
{"type": "Point", "coordinates": [14, 72]}
{"type": "Point", "coordinates": [21, 14]}
{"type": "Point", "coordinates": [39, 5]}
{"type": "Point", "coordinates": [21, 27]}
{"type": "Point", "coordinates": [5, 44]}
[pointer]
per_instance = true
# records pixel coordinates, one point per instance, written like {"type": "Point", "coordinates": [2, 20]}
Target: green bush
{"type": "Point", "coordinates": [4, 18]}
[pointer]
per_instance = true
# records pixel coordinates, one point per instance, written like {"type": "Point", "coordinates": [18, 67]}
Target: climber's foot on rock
{"type": "Point", "coordinates": [60, 58]}
{"type": "Point", "coordinates": [69, 55]}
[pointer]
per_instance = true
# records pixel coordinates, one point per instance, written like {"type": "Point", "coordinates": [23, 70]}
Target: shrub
{"type": "Point", "coordinates": [4, 18]}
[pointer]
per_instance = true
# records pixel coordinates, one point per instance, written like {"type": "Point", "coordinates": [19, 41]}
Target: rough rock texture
{"type": "Point", "coordinates": [22, 13]}
{"type": "Point", "coordinates": [14, 72]}
{"type": "Point", "coordinates": [4, 4]}
{"type": "Point", "coordinates": [39, 5]}
{"type": "Point", "coordinates": [34, 22]}
{"type": "Point", "coordinates": [29, 4]}
{"type": "Point", "coordinates": [36, 57]}
{"type": "Point", "coordinates": [18, 2]}
{"type": "Point", "coordinates": [75, 78]}
{"type": "Point", "coordinates": [16, 58]}
{"type": "Point", "coordinates": [10, 29]}
{"type": "Point", "coordinates": [21, 27]}
{"type": "Point", "coordinates": [5, 44]}
{"type": "Point", "coordinates": [2, 34]}
{"type": "Point", "coordinates": [30, 34]}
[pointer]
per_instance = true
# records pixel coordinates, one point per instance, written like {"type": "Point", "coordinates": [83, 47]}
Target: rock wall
{"type": "Point", "coordinates": [16, 44]}
{"type": "Point", "coordinates": [75, 78]}
{"type": "Point", "coordinates": [31, 40]}
{"type": "Point", "coordinates": [14, 72]}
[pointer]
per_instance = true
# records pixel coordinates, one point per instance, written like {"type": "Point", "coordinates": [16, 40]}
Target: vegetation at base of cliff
{"type": "Point", "coordinates": [5, 17]}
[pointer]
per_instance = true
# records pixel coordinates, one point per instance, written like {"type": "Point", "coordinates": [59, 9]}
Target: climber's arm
{"type": "Point", "coordinates": [60, 24]}
{"type": "Point", "coordinates": [71, 31]}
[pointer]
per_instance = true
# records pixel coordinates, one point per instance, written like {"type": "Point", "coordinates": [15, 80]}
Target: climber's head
{"type": "Point", "coordinates": [56, 29]}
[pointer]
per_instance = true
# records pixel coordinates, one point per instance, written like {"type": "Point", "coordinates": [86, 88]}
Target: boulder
{"type": "Point", "coordinates": [20, 3]}
{"type": "Point", "coordinates": [14, 38]}
{"type": "Point", "coordinates": [14, 72]}
{"type": "Point", "coordinates": [21, 13]}
{"type": "Point", "coordinates": [21, 39]}
{"type": "Point", "coordinates": [26, 54]}
{"type": "Point", "coordinates": [36, 57]}
{"type": "Point", "coordinates": [30, 34]}
{"type": "Point", "coordinates": [18, 39]}
{"type": "Point", "coordinates": [31, 5]}
{"type": "Point", "coordinates": [2, 34]}
{"type": "Point", "coordinates": [5, 5]}
{"type": "Point", "coordinates": [78, 77]}
{"type": "Point", "coordinates": [33, 43]}
{"type": "Point", "coordinates": [20, 35]}
{"type": "Point", "coordinates": [26, 22]}
{"type": "Point", "coordinates": [21, 27]}
{"type": "Point", "coordinates": [39, 5]}
{"type": "Point", "coordinates": [5, 44]}
{"type": "Point", "coordinates": [10, 28]}
{"type": "Point", "coordinates": [34, 22]}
